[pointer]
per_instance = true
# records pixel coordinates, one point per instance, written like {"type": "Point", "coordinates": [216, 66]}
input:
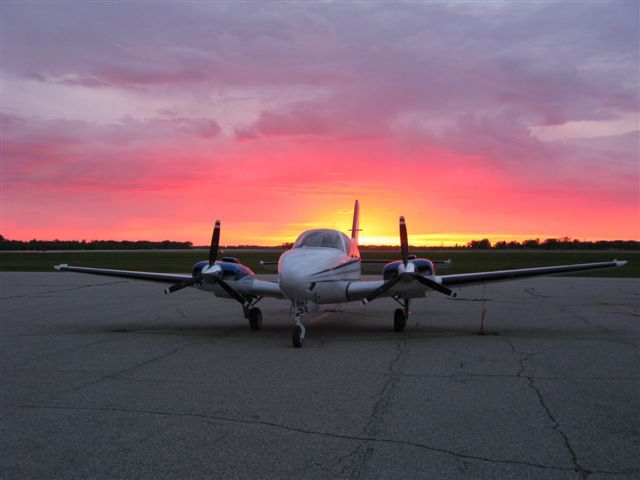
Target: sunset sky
{"type": "Point", "coordinates": [506, 120]}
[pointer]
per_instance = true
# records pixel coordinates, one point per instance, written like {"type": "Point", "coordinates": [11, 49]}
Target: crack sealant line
{"type": "Point", "coordinates": [584, 473]}
{"type": "Point", "coordinates": [361, 454]}
{"type": "Point", "coordinates": [215, 418]}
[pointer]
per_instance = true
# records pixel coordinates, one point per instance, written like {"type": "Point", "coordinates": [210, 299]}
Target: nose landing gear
{"type": "Point", "coordinates": [297, 335]}
{"type": "Point", "coordinates": [399, 320]}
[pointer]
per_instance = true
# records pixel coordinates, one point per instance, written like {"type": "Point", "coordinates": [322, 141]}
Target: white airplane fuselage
{"type": "Point", "coordinates": [319, 273]}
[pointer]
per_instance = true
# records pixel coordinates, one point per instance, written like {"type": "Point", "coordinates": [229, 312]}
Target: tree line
{"type": "Point", "coordinates": [6, 244]}
{"type": "Point", "coordinates": [555, 244]}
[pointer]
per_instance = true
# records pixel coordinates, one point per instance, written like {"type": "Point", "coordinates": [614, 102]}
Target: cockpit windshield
{"type": "Point", "coordinates": [322, 238]}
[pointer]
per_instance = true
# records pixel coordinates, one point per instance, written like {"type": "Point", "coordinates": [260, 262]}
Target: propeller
{"type": "Point", "coordinates": [215, 242]}
{"type": "Point", "coordinates": [404, 251]}
{"type": "Point", "coordinates": [404, 242]}
{"type": "Point", "coordinates": [211, 274]}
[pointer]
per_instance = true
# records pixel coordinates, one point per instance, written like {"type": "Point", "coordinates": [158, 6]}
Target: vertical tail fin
{"type": "Point", "coordinates": [356, 222]}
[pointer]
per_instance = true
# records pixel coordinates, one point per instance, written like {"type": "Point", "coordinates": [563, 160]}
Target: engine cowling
{"type": "Point", "coordinates": [422, 266]}
{"type": "Point", "coordinates": [230, 270]}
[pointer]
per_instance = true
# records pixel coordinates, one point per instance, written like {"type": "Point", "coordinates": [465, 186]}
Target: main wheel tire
{"type": "Point", "coordinates": [399, 320]}
{"type": "Point", "coordinates": [296, 337]}
{"type": "Point", "coordinates": [255, 319]}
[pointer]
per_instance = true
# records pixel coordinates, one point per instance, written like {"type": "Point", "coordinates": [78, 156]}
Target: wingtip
{"type": "Point", "coordinates": [620, 263]}
{"type": "Point", "coordinates": [364, 301]}
{"type": "Point", "coordinates": [61, 266]}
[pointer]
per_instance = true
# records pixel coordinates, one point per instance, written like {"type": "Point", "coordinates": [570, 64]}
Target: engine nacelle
{"type": "Point", "coordinates": [230, 270]}
{"type": "Point", "coordinates": [422, 266]}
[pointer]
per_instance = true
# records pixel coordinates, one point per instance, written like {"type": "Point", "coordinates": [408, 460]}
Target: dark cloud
{"type": "Point", "coordinates": [559, 60]}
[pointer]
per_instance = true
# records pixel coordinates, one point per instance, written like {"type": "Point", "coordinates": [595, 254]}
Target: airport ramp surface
{"type": "Point", "coordinates": [107, 378]}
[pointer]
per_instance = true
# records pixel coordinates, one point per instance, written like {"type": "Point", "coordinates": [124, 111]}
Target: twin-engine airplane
{"type": "Point", "coordinates": [324, 267]}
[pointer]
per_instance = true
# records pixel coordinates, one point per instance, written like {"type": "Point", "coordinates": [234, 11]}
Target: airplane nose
{"type": "Point", "coordinates": [297, 270]}
{"type": "Point", "coordinates": [293, 274]}
{"type": "Point", "coordinates": [293, 283]}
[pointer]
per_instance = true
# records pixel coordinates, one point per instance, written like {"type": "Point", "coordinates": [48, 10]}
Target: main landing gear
{"type": "Point", "coordinates": [297, 335]}
{"type": "Point", "coordinates": [253, 314]}
{"type": "Point", "coordinates": [255, 319]}
{"type": "Point", "coordinates": [401, 315]}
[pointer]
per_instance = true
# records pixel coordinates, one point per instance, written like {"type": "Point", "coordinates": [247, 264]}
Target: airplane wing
{"type": "Point", "coordinates": [252, 287]}
{"type": "Point", "coordinates": [152, 276]}
{"type": "Point", "coordinates": [410, 287]}
{"type": "Point", "coordinates": [502, 275]}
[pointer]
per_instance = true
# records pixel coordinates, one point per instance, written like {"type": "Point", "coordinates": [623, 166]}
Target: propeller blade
{"type": "Point", "coordinates": [231, 291]}
{"type": "Point", "coordinates": [434, 285]}
{"type": "Point", "coordinates": [179, 286]}
{"type": "Point", "coordinates": [404, 242]}
{"type": "Point", "coordinates": [215, 242]}
{"type": "Point", "coordinates": [382, 288]}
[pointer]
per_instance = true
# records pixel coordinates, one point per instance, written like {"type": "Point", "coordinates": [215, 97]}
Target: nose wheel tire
{"type": "Point", "coordinates": [297, 336]}
{"type": "Point", "coordinates": [255, 319]}
{"type": "Point", "coordinates": [399, 320]}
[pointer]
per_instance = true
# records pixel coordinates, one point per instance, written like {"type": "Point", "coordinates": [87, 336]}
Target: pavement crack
{"type": "Point", "coordinates": [61, 352]}
{"type": "Point", "coordinates": [525, 356]}
{"type": "Point", "coordinates": [212, 419]}
{"type": "Point", "coordinates": [532, 291]}
{"type": "Point", "coordinates": [569, 311]}
{"type": "Point", "coordinates": [583, 472]}
{"type": "Point", "coordinates": [119, 373]}
{"type": "Point", "coordinates": [516, 375]}
{"type": "Point", "coordinates": [458, 299]}
{"type": "Point", "coordinates": [72, 289]}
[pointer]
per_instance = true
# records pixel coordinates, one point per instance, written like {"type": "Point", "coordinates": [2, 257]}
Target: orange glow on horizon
{"type": "Point", "coordinates": [276, 188]}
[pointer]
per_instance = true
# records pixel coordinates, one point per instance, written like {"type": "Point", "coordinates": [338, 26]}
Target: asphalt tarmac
{"type": "Point", "coordinates": [106, 378]}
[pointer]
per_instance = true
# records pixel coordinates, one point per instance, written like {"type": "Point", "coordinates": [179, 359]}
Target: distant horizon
{"type": "Point", "coordinates": [541, 240]}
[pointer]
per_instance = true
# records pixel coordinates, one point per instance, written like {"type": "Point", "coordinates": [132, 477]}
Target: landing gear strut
{"type": "Point", "coordinates": [401, 315]}
{"type": "Point", "coordinates": [297, 335]}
